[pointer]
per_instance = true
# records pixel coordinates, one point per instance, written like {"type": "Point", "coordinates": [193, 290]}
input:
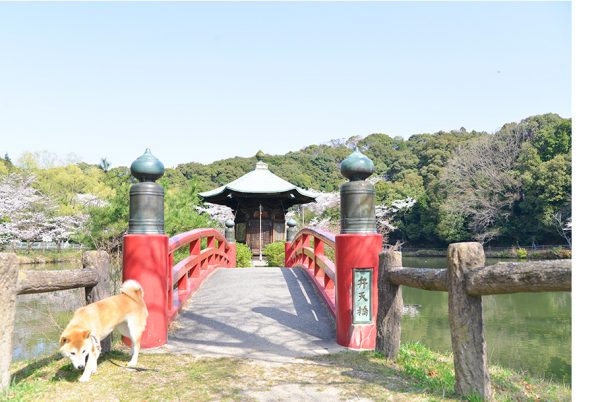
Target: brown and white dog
{"type": "Point", "coordinates": [126, 312]}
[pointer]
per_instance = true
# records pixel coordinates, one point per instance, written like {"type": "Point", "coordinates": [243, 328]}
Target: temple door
{"type": "Point", "coordinates": [253, 233]}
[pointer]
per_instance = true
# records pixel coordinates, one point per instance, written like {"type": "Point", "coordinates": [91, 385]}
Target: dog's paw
{"type": "Point", "coordinates": [84, 379]}
{"type": "Point", "coordinates": [131, 364]}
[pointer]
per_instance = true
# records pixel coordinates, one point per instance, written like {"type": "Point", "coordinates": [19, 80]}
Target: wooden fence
{"type": "Point", "coordinates": [466, 280]}
{"type": "Point", "coordinates": [94, 277]}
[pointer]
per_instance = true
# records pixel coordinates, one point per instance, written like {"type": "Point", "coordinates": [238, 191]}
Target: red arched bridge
{"type": "Point", "coordinates": [303, 308]}
{"type": "Point", "coordinates": [239, 311]}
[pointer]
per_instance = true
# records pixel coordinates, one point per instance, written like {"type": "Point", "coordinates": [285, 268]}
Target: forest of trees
{"type": "Point", "coordinates": [512, 187]}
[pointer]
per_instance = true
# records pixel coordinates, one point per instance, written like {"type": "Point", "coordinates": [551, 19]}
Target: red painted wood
{"type": "Point", "coordinates": [193, 270]}
{"type": "Point", "coordinates": [145, 260]}
{"type": "Point", "coordinates": [355, 251]}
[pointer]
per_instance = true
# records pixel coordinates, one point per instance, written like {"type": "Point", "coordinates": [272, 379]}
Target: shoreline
{"type": "Point", "coordinates": [512, 253]}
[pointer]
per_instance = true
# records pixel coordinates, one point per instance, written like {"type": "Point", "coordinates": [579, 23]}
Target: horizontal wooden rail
{"type": "Point", "coordinates": [420, 278]}
{"type": "Point", "coordinates": [307, 250]}
{"type": "Point", "coordinates": [466, 280]}
{"type": "Point", "coordinates": [501, 278]}
{"type": "Point", "coordinates": [187, 275]}
{"type": "Point", "coordinates": [513, 277]}
{"type": "Point", "coordinates": [51, 281]}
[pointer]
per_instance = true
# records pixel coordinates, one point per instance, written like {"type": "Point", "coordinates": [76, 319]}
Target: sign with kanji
{"type": "Point", "coordinates": [361, 295]}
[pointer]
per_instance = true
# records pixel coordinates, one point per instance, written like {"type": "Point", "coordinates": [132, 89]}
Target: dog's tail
{"type": "Point", "coordinates": [132, 289]}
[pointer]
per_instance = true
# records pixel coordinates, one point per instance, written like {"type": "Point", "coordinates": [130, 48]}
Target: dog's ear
{"type": "Point", "coordinates": [86, 333]}
{"type": "Point", "coordinates": [63, 340]}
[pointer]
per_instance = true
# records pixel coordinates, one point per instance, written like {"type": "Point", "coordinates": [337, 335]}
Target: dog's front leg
{"type": "Point", "coordinates": [90, 367]}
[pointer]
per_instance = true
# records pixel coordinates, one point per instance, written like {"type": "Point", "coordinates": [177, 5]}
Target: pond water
{"type": "Point", "coordinates": [40, 318]}
{"type": "Point", "coordinates": [524, 331]}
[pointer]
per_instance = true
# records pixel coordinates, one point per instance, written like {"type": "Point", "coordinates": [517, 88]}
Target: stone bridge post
{"type": "Point", "coordinates": [357, 250]}
{"type": "Point", "coordinates": [289, 237]}
{"type": "Point", "coordinates": [145, 246]}
{"type": "Point", "coordinates": [230, 237]}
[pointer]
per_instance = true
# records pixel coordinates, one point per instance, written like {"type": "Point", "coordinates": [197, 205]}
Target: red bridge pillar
{"type": "Point", "coordinates": [145, 260]}
{"type": "Point", "coordinates": [357, 257]}
{"type": "Point", "coordinates": [145, 246]}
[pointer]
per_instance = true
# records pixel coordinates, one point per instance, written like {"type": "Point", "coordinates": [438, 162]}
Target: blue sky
{"type": "Point", "coordinates": [206, 81]}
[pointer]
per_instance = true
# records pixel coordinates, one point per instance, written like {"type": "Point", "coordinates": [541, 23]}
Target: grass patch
{"type": "Point", "coordinates": [48, 256]}
{"type": "Point", "coordinates": [418, 374]}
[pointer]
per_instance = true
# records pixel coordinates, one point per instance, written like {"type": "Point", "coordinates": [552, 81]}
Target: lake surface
{"type": "Point", "coordinates": [40, 318]}
{"type": "Point", "coordinates": [524, 331]}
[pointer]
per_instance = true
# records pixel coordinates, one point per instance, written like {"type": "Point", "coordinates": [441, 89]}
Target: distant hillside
{"type": "Point", "coordinates": [539, 181]}
{"type": "Point", "coordinates": [510, 187]}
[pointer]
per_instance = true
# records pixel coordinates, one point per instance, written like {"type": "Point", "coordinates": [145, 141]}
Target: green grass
{"type": "Point", "coordinates": [418, 374]}
{"type": "Point", "coordinates": [40, 256]}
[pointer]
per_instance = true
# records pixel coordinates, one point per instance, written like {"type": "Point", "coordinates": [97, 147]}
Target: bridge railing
{"type": "Point", "coordinates": [208, 250]}
{"type": "Point", "coordinates": [307, 250]}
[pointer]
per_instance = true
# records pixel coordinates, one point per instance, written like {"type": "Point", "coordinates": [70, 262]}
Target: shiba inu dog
{"type": "Point", "coordinates": [126, 312]}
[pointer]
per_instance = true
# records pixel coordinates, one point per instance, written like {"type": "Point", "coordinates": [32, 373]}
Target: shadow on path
{"type": "Point", "coordinates": [260, 312]}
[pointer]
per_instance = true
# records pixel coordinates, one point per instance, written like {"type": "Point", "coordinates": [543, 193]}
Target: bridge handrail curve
{"type": "Point", "coordinates": [189, 273]}
{"type": "Point", "coordinates": [313, 260]}
{"type": "Point", "coordinates": [322, 234]}
{"type": "Point", "coordinates": [182, 239]}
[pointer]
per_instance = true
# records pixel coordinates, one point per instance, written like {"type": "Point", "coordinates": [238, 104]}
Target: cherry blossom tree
{"type": "Point", "coordinates": [387, 214]}
{"type": "Point", "coordinates": [219, 213]}
{"type": "Point", "coordinates": [26, 215]}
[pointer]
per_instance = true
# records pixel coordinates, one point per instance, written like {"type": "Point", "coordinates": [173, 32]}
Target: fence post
{"type": "Point", "coordinates": [465, 315]}
{"type": "Point", "coordinates": [230, 237]}
{"type": "Point", "coordinates": [8, 301]}
{"type": "Point", "coordinates": [289, 238]}
{"type": "Point", "coordinates": [145, 246]}
{"type": "Point", "coordinates": [390, 304]}
{"type": "Point", "coordinates": [357, 250]}
{"type": "Point", "coordinates": [100, 261]}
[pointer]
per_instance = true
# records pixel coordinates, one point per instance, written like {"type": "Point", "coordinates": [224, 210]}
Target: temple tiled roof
{"type": "Point", "coordinates": [260, 182]}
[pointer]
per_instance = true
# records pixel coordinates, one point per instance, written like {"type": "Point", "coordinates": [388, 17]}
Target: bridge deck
{"type": "Point", "coordinates": [262, 313]}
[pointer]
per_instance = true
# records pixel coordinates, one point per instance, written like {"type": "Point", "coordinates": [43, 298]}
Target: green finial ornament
{"type": "Point", "coordinates": [357, 166]}
{"type": "Point", "coordinates": [357, 196]}
{"type": "Point", "coordinates": [147, 167]}
{"type": "Point", "coordinates": [260, 156]}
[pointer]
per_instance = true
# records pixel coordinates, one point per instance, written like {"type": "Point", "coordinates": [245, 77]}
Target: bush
{"type": "Point", "coordinates": [521, 253]}
{"type": "Point", "coordinates": [275, 254]}
{"type": "Point", "coordinates": [560, 252]}
{"type": "Point", "coordinates": [243, 256]}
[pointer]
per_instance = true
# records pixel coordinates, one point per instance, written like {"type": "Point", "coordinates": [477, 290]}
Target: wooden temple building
{"type": "Point", "coordinates": [259, 200]}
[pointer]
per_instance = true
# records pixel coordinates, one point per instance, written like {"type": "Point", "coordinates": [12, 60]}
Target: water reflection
{"type": "Point", "coordinates": [524, 331]}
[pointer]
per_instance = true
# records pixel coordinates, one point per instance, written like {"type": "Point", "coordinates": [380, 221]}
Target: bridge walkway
{"type": "Point", "coordinates": [271, 314]}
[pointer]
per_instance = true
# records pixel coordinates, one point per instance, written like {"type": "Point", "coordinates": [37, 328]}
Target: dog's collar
{"type": "Point", "coordinates": [96, 342]}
